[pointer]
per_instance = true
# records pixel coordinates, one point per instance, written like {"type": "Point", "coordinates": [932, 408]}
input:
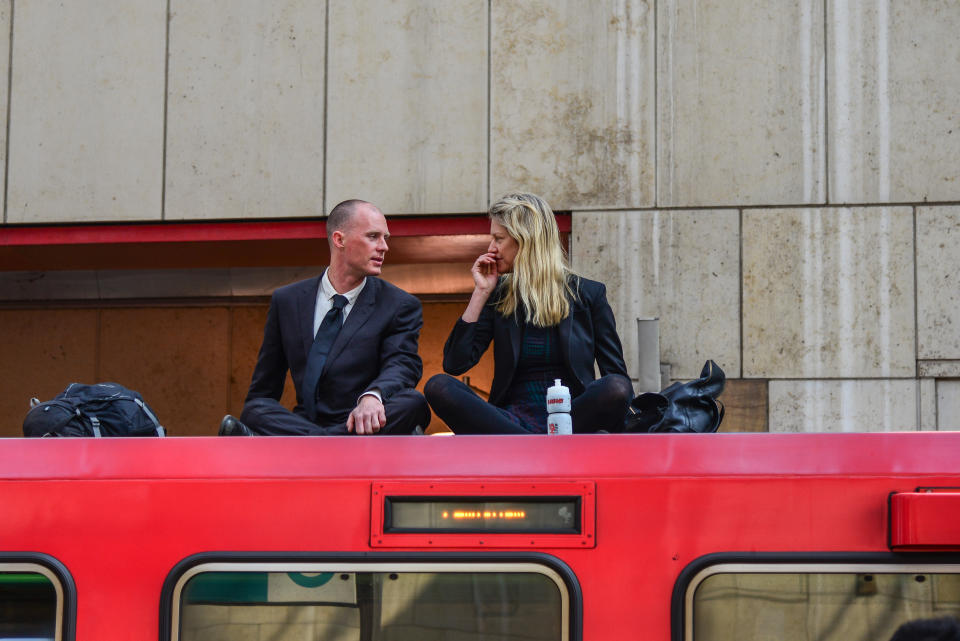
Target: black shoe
{"type": "Point", "coordinates": [231, 426]}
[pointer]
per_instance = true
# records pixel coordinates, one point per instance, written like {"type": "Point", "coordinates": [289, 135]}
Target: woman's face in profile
{"type": "Point", "coordinates": [503, 247]}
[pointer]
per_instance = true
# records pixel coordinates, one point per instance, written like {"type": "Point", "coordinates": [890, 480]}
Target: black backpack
{"type": "Point", "coordinates": [103, 409]}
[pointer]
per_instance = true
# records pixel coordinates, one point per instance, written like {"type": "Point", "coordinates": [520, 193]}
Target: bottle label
{"type": "Point", "coordinates": [559, 423]}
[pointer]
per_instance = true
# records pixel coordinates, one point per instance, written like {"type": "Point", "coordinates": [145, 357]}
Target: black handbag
{"type": "Point", "coordinates": [683, 407]}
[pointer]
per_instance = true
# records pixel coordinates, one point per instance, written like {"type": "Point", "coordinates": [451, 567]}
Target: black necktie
{"type": "Point", "coordinates": [322, 342]}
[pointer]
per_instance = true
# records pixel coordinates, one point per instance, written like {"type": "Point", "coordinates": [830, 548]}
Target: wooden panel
{"type": "Point", "coordinates": [43, 351]}
{"type": "Point", "coordinates": [438, 320]}
{"type": "Point", "coordinates": [746, 406]}
{"type": "Point", "coordinates": [191, 364]}
{"type": "Point", "coordinates": [175, 357]}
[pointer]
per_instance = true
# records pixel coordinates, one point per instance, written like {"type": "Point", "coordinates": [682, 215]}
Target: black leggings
{"type": "Point", "coordinates": [602, 406]}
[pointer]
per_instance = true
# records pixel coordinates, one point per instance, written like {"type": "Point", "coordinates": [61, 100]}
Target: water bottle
{"type": "Point", "coordinates": [558, 409]}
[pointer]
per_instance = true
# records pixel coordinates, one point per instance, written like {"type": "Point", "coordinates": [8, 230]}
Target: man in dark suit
{"type": "Point", "coordinates": [349, 340]}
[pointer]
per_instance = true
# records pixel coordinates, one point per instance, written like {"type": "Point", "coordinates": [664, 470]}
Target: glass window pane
{"type": "Point", "coordinates": [28, 606]}
{"type": "Point", "coordinates": [385, 606]}
{"type": "Point", "coordinates": [834, 606]}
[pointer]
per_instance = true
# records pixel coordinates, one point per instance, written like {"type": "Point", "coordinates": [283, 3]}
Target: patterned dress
{"type": "Point", "coordinates": [540, 363]}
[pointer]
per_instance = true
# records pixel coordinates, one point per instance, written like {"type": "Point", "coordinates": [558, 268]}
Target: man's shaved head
{"type": "Point", "coordinates": [357, 232]}
{"type": "Point", "coordinates": [341, 215]}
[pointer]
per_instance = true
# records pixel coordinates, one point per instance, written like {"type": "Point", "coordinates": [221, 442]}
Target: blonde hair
{"type": "Point", "coordinates": [539, 280]}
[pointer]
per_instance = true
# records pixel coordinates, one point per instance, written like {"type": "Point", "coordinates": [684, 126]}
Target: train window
{"type": "Point", "coordinates": [388, 602]}
{"type": "Point", "coordinates": [848, 602]}
{"type": "Point", "coordinates": [31, 603]}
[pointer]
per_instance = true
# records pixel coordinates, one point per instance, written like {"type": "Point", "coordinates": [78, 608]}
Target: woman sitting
{"type": "Point", "coordinates": [545, 323]}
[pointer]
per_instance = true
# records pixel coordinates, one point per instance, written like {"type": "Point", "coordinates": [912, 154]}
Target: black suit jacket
{"type": "Point", "coordinates": [587, 335]}
{"type": "Point", "coordinates": [376, 348]}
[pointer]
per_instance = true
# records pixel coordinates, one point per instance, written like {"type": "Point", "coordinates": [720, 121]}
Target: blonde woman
{"type": "Point", "coordinates": [545, 323]}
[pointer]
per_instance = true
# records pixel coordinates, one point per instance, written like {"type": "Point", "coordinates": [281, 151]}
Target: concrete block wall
{"type": "Point", "coordinates": [779, 182]}
{"type": "Point", "coordinates": [805, 228]}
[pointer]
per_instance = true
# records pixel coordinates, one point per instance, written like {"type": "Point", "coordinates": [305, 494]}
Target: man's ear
{"type": "Point", "coordinates": [337, 239]}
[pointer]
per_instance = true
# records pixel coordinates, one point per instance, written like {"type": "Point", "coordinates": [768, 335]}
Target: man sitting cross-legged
{"type": "Point", "coordinates": [349, 340]}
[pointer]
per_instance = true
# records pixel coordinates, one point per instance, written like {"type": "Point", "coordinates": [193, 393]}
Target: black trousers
{"type": "Point", "coordinates": [602, 406]}
{"type": "Point", "coordinates": [405, 411]}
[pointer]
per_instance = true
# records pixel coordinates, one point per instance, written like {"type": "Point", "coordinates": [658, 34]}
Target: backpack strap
{"type": "Point", "coordinates": [146, 410]}
{"type": "Point", "coordinates": [95, 424]}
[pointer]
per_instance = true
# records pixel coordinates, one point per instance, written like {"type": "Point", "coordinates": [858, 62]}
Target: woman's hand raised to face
{"type": "Point", "coordinates": [484, 272]}
{"type": "Point", "coordinates": [485, 275]}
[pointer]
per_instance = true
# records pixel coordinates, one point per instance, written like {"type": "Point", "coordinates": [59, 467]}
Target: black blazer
{"type": "Point", "coordinates": [376, 348]}
{"type": "Point", "coordinates": [587, 335]}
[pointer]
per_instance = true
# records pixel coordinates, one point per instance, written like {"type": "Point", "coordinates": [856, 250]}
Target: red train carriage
{"type": "Point", "coordinates": [705, 537]}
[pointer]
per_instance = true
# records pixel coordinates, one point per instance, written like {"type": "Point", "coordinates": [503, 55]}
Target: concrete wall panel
{"type": "Point", "coordinates": [39, 286]}
{"type": "Point", "coordinates": [680, 266]}
{"type": "Point", "coordinates": [86, 114]}
{"type": "Point", "coordinates": [948, 404]}
{"type": "Point", "coordinates": [740, 103]}
{"type": "Point", "coordinates": [408, 105]}
{"type": "Point", "coordinates": [843, 406]}
{"type": "Point", "coordinates": [938, 283]}
{"type": "Point", "coordinates": [828, 293]}
{"type": "Point", "coordinates": [928, 403]}
{"type": "Point", "coordinates": [245, 109]}
{"type": "Point", "coordinates": [894, 78]}
{"type": "Point", "coordinates": [572, 86]}
{"type": "Point", "coordinates": [5, 12]}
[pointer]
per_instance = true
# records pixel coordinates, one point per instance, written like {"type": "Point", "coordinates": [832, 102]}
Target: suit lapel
{"type": "Point", "coordinates": [306, 307]}
{"type": "Point", "coordinates": [361, 312]}
{"type": "Point", "coordinates": [564, 330]}
{"type": "Point", "coordinates": [516, 336]}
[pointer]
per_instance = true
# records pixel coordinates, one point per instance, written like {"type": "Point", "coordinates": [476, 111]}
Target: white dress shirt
{"type": "Point", "coordinates": [325, 294]}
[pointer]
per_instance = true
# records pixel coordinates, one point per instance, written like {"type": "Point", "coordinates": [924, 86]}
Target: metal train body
{"type": "Point", "coordinates": [118, 523]}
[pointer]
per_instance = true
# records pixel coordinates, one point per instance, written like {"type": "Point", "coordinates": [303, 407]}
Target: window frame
{"type": "Point", "coordinates": [63, 585]}
{"type": "Point", "coordinates": [538, 563]}
{"type": "Point", "coordinates": [697, 571]}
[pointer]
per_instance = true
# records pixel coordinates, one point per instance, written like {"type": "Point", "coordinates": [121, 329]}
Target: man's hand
{"type": "Point", "coordinates": [367, 417]}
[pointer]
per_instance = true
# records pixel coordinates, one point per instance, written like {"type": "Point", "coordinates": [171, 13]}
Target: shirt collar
{"type": "Point", "coordinates": [328, 291]}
